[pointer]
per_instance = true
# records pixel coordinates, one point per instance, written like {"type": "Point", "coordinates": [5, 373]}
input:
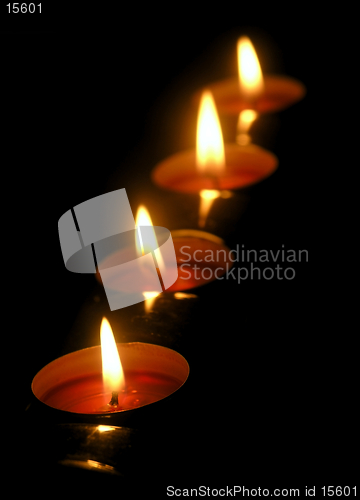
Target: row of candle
{"type": "Point", "coordinates": [125, 377]}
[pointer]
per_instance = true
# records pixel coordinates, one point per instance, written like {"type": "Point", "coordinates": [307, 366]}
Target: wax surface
{"type": "Point", "coordinates": [86, 394]}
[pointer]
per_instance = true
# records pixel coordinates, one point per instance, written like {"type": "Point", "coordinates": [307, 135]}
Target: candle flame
{"type": "Point", "coordinates": [143, 219]}
{"type": "Point", "coordinates": [250, 74]}
{"type": "Point", "coordinates": [105, 428]}
{"type": "Point", "coordinates": [113, 375]}
{"type": "Point", "coordinates": [210, 155]}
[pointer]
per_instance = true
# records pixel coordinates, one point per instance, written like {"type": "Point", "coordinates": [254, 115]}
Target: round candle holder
{"type": "Point", "coordinates": [279, 93]}
{"type": "Point", "coordinates": [245, 165]}
{"type": "Point", "coordinates": [70, 388]}
{"type": "Point", "coordinates": [201, 258]}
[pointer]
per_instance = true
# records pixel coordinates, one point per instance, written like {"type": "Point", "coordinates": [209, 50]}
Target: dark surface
{"type": "Point", "coordinates": [92, 108]}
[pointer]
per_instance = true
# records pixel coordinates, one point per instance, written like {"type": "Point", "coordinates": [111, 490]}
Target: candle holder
{"type": "Point", "coordinates": [70, 388]}
{"type": "Point", "coordinates": [201, 257]}
{"type": "Point", "coordinates": [245, 165]}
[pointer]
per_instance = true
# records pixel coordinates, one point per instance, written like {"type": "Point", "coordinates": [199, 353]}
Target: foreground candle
{"type": "Point", "coordinates": [213, 166]}
{"type": "Point", "coordinates": [78, 383]}
{"type": "Point", "coordinates": [252, 90]}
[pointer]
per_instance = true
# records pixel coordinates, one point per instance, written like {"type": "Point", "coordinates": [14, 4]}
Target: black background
{"type": "Point", "coordinates": [92, 100]}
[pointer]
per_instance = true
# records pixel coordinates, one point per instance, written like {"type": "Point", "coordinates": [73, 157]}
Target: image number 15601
{"type": "Point", "coordinates": [23, 8]}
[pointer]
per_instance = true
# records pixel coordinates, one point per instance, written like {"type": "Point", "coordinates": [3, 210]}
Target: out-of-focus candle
{"type": "Point", "coordinates": [193, 264]}
{"type": "Point", "coordinates": [252, 90]}
{"type": "Point", "coordinates": [213, 166]}
{"type": "Point", "coordinates": [83, 382]}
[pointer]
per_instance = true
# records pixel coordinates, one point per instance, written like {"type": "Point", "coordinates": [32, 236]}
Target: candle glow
{"type": "Point", "coordinates": [210, 153]}
{"type": "Point", "coordinates": [207, 197]}
{"type": "Point", "coordinates": [246, 119]}
{"type": "Point", "coordinates": [149, 300]}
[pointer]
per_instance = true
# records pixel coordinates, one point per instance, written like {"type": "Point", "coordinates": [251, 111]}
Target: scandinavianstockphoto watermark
{"type": "Point", "coordinates": [267, 264]}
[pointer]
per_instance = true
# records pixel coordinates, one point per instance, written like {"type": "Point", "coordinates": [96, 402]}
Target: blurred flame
{"type": "Point", "coordinates": [250, 75]}
{"type": "Point", "coordinates": [210, 155]}
{"type": "Point", "coordinates": [150, 299]}
{"type": "Point", "coordinates": [246, 119]}
{"type": "Point", "coordinates": [207, 197]}
{"type": "Point", "coordinates": [143, 219]}
{"type": "Point", "coordinates": [113, 375]}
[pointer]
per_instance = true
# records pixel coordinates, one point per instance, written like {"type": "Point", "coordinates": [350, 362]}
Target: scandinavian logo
{"type": "Point", "coordinates": [131, 260]}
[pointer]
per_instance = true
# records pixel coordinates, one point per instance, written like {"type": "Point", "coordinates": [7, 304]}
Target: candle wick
{"type": "Point", "coordinates": [114, 399]}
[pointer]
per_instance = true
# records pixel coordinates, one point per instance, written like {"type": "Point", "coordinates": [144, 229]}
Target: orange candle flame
{"type": "Point", "coordinates": [250, 74]}
{"type": "Point", "coordinates": [112, 371]}
{"type": "Point", "coordinates": [150, 300]}
{"type": "Point", "coordinates": [210, 153]}
{"type": "Point", "coordinates": [143, 219]}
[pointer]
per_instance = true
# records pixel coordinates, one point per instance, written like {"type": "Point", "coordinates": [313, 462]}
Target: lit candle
{"type": "Point", "coordinates": [193, 265]}
{"type": "Point", "coordinates": [201, 258]}
{"type": "Point", "coordinates": [251, 90]}
{"type": "Point", "coordinates": [151, 252]}
{"type": "Point", "coordinates": [111, 378]}
{"type": "Point", "coordinates": [138, 264]}
{"type": "Point", "coordinates": [213, 166]}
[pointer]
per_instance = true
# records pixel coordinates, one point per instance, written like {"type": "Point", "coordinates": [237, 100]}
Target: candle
{"type": "Point", "coordinates": [123, 250]}
{"type": "Point", "coordinates": [137, 265]}
{"type": "Point", "coordinates": [111, 378]}
{"type": "Point", "coordinates": [201, 258]}
{"type": "Point", "coordinates": [252, 90]}
{"type": "Point", "coordinates": [150, 257]}
{"type": "Point", "coordinates": [213, 166]}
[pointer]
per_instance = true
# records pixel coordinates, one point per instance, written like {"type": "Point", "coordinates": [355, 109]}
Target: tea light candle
{"type": "Point", "coordinates": [149, 255]}
{"type": "Point", "coordinates": [252, 90]}
{"type": "Point", "coordinates": [244, 166]}
{"type": "Point", "coordinates": [94, 381]}
{"type": "Point", "coordinates": [201, 258]}
{"type": "Point", "coordinates": [213, 165]}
